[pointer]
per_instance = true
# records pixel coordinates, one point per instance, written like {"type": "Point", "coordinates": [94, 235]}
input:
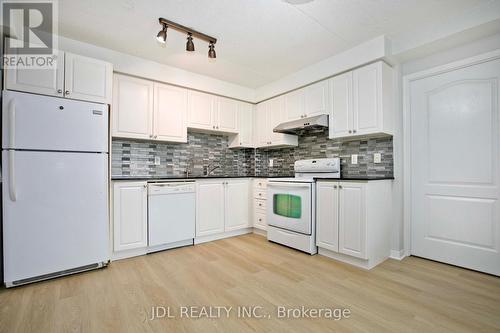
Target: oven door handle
{"type": "Point", "coordinates": [289, 185]}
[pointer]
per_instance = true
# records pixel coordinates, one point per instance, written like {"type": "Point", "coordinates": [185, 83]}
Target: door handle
{"type": "Point", "coordinates": [12, 175]}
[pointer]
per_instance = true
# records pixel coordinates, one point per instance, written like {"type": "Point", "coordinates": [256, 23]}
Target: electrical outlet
{"type": "Point", "coordinates": [157, 160]}
{"type": "Point", "coordinates": [271, 162]}
{"type": "Point", "coordinates": [377, 158]}
{"type": "Point", "coordinates": [354, 159]}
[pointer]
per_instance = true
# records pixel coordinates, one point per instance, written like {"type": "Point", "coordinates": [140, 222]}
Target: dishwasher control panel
{"type": "Point", "coordinates": [171, 187]}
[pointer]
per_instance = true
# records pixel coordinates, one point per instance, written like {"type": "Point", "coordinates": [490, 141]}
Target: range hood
{"type": "Point", "coordinates": [295, 126]}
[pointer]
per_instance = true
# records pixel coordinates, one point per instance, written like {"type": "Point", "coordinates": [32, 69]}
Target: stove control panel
{"type": "Point", "coordinates": [330, 165]}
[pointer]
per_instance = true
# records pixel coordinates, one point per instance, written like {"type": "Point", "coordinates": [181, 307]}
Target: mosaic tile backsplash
{"type": "Point", "coordinates": [136, 158]}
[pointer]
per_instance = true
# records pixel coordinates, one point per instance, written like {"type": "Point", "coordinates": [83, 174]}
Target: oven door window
{"type": "Point", "coordinates": [287, 205]}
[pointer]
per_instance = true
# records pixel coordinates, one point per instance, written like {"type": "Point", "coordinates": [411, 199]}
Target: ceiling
{"type": "Point", "coordinates": [259, 41]}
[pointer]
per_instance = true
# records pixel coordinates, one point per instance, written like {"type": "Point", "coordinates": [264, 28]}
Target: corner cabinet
{"type": "Point", "coordinates": [362, 102]}
{"type": "Point", "coordinates": [245, 136]}
{"type": "Point", "coordinates": [268, 115]}
{"type": "Point", "coordinates": [222, 206]}
{"type": "Point", "coordinates": [144, 109]}
{"type": "Point", "coordinates": [353, 221]}
{"type": "Point", "coordinates": [130, 215]}
{"type": "Point", "coordinates": [212, 113]}
{"type": "Point", "coordinates": [75, 77]}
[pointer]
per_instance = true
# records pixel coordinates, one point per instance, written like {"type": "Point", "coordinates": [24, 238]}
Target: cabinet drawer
{"type": "Point", "coordinates": [260, 184]}
{"type": "Point", "coordinates": [260, 204]}
{"type": "Point", "coordinates": [259, 219]}
{"type": "Point", "coordinates": [260, 194]}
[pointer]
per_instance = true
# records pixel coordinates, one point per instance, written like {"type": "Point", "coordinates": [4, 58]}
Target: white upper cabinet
{"type": "Point", "coordinates": [212, 113]}
{"type": "Point", "coordinates": [87, 79]}
{"type": "Point", "coordinates": [132, 108]}
{"type": "Point", "coordinates": [269, 114]}
{"type": "Point", "coordinates": [170, 113]}
{"type": "Point", "coordinates": [317, 99]}
{"type": "Point", "coordinates": [362, 102]}
{"type": "Point", "coordinates": [46, 82]}
{"type": "Point", "coordinates": [143, 109]}
{"type": "Point", "coordinates": [227, 114]}
{"type": "Point", "coordinates": [75, 77]}
{"type": "Point", "coordinates": [201, 110]}
{"type": "Point", "coordinates": [245, 136]}
{"type": "Point", "coordinates": [294, 104]}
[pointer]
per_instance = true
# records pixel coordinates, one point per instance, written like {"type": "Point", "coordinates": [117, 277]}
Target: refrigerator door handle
{"type": "Point", "coordinates": [12, 176]}
{"type": "Point", "coordinates": [12, 123]}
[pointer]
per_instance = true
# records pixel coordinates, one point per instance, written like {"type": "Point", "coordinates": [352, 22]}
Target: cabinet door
{"type": "Point", "coordinates": [130, 215]}
{"type": "Point", "coordinates": [317, 99]}
{"type": "Point", "coordinates": [245, 128]}
{"type": "Point", "coordinates": [87, 79]}
{"type": "Point", "coordinates": [294, 104]}
{"type": "Point", "coordinates": [201, 113]}
{"type": "Point", "coordinates": [237, 204]}
{"type": "Point", "coordinates": [170, 113]}
{"type": "Point", "coordinates": [39, 81]}
{"type": "Point", "coordinates": [227, 111]}
{"type": "Point", "coordinates": [261, 125]}
{"type": "Point", "coordinates": [341, 123]}
{"type": "Point", "coordinates": [276, 116]}
{"type": "Point", "coordinates": [209, 208]}
{"type": "Point", "coordinates": [366, 100]}
{"type": "Point", "coordinates": [327, 216]}
{"type": "Point", "coordinates": [260, 220]}
{"type": "Point", "coordinates": [132, 108]}
{"type": "Point", "coordinates": [352, 220]}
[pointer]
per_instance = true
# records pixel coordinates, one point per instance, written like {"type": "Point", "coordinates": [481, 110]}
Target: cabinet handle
{"type": "Point", "coordinates": [260, 220]}
{"type": "Point", "coordinates": [354, 131]}
{"type": "Point", "coordinates": [145, 185]}
{"type": "Point", "coordinates": [217, 127]}
{"type": "Point", "coordinates": [59, 91]}
{"type": "Point", "coordinates": [156, 136]}
{"type": "Point", "coordinates": [66, 92]}
{"type": "Point", "coordinates": [340, 186]}
{"type": "Point", "coordinates": [260, 194]}
{"type": "Point", "coordinates": [350, 131]}
{"type": "Point", "coordinates": [334, 186]}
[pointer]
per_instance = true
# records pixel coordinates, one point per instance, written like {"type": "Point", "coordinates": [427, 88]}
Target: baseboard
{"type": "Point", "coordinates": [260, 232]}
{"type": "Point", "coordinates": [222, 235]}
{"type": "Point", "coordinates": [397, 254]}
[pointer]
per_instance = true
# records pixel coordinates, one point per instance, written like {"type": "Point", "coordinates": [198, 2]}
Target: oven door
{"type": "Point", "coordinates": [290, 206]}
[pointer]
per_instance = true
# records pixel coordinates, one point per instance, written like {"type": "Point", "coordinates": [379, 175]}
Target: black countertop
{"type": "Point", "coordinates": [155, 178]}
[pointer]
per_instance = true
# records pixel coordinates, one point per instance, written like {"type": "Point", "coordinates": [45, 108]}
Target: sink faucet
{"type": "Point", "coordinates": [208, 169]}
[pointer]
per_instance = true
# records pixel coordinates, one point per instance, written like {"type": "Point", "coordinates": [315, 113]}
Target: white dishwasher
{"type": "Point", "coordinates": [171, 215]}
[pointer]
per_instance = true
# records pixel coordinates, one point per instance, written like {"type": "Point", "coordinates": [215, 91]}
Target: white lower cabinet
{"type": "Point", "coordinates": [222, 206]}
{"type": "Point", "coordinates": [353, 221]}
{"type": "Point", "coordinates": [259, 203]}
{"type": "Point", "coordinates": [130, 215]}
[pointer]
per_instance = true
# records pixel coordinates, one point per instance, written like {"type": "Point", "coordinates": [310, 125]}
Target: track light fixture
{"type": "Point", "coordinates": [189, 43]}
{"type": "Point", "coordinates": [162, 36]}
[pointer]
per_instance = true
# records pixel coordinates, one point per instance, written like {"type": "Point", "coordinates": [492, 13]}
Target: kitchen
{"type": "Point", "coordinates": [144, 185]}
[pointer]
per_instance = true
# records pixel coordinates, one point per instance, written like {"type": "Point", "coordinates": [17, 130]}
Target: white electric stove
{"type": "Point", "coordinates": [291, 212]}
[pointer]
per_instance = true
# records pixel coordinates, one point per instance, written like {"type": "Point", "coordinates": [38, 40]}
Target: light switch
{"type": "Point", "coordinates": [157, 160]}
{"type": "Point", "coordinates": [354, 159]}
{"type": "Point", "coordinates": [271, 162]}
{"type": "Point", "coordinates": [377, 158]}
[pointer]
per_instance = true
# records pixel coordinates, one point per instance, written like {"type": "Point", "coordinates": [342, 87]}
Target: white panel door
{"type": "Point", "coordinates": [87, 79]}
{"type": "Point", "coordinates": [455, 167]}
{"type": "Point", "coordinates": [261, 125]}
{"type": "Point", "coordinates": [367, 99]}
{"type": "Point", "coordinates": [327, 216]}
{"type": "Point", "coordinates": [201, 110]}
{"type": "Point", "coordinates": [209, 208]}
{"type": "Point", "coordinates": [55, 211]}
{"type": "Point", "coordinates": [237, 204]}
{"type": "Point", "coordinates": [130, 215]}
{"type": "Point", "coordinates": [132, 108]}
{"type": "Point", "coordinates": [342, 122]}
{"type": "Point", "coordinates": [227, 110]}
{"type": "Point", "coordinates": [170, 113]}
{"type": "Point", "coordinates": [39, 81]}
{"type": "Point", "coordinates": [246, 124]}
{"type": "Point", "coordinates": [276, 116]}
{"type": "Point", "coordinates": [352, 220]}
{"type": "Point", "coordinates": [317, 99]}
{"type": "Point", "coordinates": [294, 104]}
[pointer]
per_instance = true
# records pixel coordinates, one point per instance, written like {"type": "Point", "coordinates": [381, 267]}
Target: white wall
{"type": "Point", "coordinates": [132, 65]}
{"type": "Point", "coordinates": [369, 51]}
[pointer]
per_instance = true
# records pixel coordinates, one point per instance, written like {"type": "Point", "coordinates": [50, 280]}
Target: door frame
{"type": "Point", "coordinates": [407, 144]}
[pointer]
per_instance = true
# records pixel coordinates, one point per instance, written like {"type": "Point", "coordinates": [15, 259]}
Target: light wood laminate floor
{"type": "Point", "coordinates": [414, 295]}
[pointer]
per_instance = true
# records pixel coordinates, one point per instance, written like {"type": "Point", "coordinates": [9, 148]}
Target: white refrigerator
{"type": "Point", "coordinates": [54, 186]}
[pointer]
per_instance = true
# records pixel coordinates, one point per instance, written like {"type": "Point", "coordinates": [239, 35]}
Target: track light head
{"type": "Point", "coordinates": [162, 35]}
{"type": "Point", "coordinates": [211, 51]}
{"type": "Point", "coordinates": [190, 44]}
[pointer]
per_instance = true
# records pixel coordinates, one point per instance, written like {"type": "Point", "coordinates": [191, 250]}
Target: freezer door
{"type": "Point", "coordinates": [55, 212]}
{"type": "Point", "coordinates": [36, 122]}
